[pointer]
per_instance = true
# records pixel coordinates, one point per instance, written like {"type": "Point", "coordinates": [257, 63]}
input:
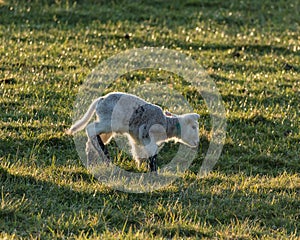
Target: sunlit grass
{"type": "Point", "coordinates": [249, 48]}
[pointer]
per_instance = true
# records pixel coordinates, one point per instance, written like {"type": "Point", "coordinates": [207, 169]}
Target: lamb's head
{"type": "Point", "coordinates": [189, 129]}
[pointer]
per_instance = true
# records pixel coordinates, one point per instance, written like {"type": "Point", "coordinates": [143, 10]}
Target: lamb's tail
{"type": "Point", "coordinates": [81, 123]}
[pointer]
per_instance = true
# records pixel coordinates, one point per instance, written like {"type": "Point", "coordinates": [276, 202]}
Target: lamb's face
{"type": "Point", "coordinates": [189, 129]}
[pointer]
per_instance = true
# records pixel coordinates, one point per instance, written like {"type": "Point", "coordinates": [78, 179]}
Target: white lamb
{"type": "Point", "coordinates": [145, 125]}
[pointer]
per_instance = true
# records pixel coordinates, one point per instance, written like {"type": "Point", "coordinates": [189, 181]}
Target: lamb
{"type": "Point", "coordinates": [145, 125]}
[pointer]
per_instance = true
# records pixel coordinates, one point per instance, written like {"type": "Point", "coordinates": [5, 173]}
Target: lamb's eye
{"type": "Point", "coordinates": [194, 127]}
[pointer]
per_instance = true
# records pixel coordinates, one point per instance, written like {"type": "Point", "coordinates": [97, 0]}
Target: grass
{"type": "Point", "coordinates": [250, 49]}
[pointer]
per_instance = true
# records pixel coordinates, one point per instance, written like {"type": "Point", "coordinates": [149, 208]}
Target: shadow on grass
{"type": "Point", "coordinates": [43, 208]}
{"type": "Point", "coordinates": [48, 204]}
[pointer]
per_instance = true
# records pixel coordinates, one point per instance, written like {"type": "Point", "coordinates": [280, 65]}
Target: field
{"type": "Point", "coordinates": [251, 51]}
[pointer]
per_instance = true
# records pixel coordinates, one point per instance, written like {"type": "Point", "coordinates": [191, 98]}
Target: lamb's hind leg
{"type": "Point", "coordinates": [103, 147]}
{"type": "Point", "coordinates": [93, 131]}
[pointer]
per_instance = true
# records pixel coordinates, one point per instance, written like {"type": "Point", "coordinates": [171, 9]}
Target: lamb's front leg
{"type": "Point", "coordinates": [157, 132]}
{"type": "Point", "coordinates": [148, 152]}
{"type": "Point", "coordinates": [152, 164]}
{"type": "Point", "coordinates": [152, 150]}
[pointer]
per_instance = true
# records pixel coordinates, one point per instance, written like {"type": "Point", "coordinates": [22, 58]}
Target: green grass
{"type": "Point", "coordinates": [250, 49]}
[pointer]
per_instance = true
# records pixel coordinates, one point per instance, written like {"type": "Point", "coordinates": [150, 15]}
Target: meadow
{"type": "Point", "coordinates": [251, 51]}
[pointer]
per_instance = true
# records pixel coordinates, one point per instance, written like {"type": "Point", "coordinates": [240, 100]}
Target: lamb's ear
{"type": "Point", "coordinates": [168, 113]}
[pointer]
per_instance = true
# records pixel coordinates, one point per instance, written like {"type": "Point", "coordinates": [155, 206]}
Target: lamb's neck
{"type": "Point", "coordinates": [173, 127]}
